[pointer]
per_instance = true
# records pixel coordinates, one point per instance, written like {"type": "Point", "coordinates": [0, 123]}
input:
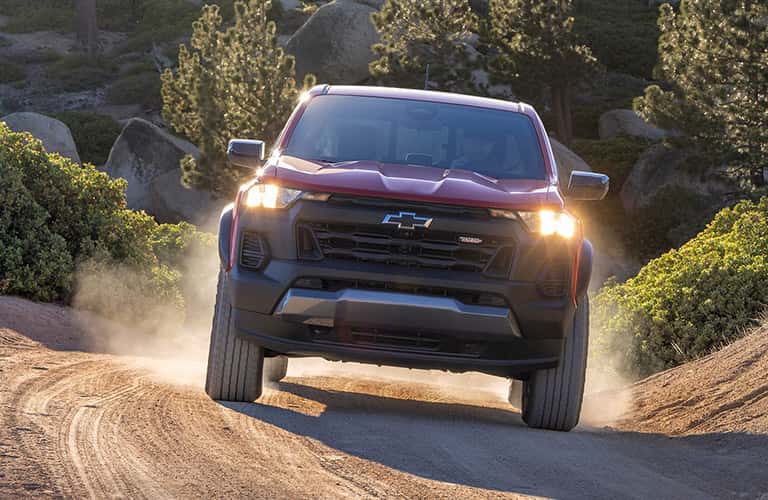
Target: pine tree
{"type": "Point", "coordinates": [538, 48]}
{"type": "Point", "coordinates": [229, 83]}
{"type": "Point", "coordinates": [419, 33]}
{"type": "Point", "coordinates": [715, 55]}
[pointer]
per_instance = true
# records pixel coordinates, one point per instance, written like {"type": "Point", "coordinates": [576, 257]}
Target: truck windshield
{"type": "Point", "coordinates": [495, 143]}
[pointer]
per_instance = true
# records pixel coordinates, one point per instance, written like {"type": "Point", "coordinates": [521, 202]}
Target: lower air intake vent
{"type": "Point", "coordinates": [554, 281]}
{"type": "Point", "coordinates": [253, 252]}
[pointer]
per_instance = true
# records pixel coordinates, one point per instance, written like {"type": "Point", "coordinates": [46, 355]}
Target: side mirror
{"type": "Point", "coordinates": [246, 153]}
{"type": "Point", "coordinates": [587, 186]}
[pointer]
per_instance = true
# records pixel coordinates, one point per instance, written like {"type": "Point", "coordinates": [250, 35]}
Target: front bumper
{"type": "Point", "coordinates": [382, 310]}
{"type": "Point", "coordinates": [391, 326]}
{"type": "Point", "coordinates": [504, 341]}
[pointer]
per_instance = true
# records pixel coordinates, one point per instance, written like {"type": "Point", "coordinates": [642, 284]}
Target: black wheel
{"type": "Point", "coordinates": [275, 368]}
{"type": "Point", "coordinates": [551, 399]}
{"type": "Point", "coordinates": [235, 367]}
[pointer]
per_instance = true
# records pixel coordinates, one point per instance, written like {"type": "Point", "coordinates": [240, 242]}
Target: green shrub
{"type": "Point", "coordinates": [75, 72]}
{"type": "Point", "coordinates": [137, 68]}
{"type": "Point", "coordinates": [50, 16]}
{"type": "Point", "coordinates": [160, 21]}
{"type": "Point", "coordinates": [94, 133]}
{"type": "Point", "coordinates": [689, 301]}
{"type": "Point", "coordinates": [10, 72]}
{"type": "Point", "coordinates": [34, 261]}
{"type": "Point", "coordinates": [142, 88]}
{"type": "Point", "coordinates": [62, 222]}
{"type": "Point", "coordinates": [172, 242]}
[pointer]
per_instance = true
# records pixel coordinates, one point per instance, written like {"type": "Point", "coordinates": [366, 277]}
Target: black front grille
{"type": "Point", "coordinates": [418, 248]}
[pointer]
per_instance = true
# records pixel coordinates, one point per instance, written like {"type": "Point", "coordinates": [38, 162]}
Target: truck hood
{"type": "Point", "coordinates": [411, 182]}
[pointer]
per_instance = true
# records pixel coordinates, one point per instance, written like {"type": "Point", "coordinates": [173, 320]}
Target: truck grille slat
{"type": "Point", "coordinates": [420, 248]}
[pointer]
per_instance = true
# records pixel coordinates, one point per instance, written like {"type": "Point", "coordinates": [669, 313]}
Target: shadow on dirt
{"type": "Point", "coordinates": [491, 448]}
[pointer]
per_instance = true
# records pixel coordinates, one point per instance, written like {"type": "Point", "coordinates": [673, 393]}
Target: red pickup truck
{"type": "Point", "coordinates": [407, 228]}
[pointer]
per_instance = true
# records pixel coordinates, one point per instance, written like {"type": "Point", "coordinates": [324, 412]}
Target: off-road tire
{"type": "Point", "coordinates": [275, 369]}
{"type": "Point", "coordinates": [552, 398]}
{"type": "Point", "coordinates": [235, 366]}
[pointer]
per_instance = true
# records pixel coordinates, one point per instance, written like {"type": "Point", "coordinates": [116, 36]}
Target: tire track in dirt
{"type": "Point", "coordinates": [80, 425]}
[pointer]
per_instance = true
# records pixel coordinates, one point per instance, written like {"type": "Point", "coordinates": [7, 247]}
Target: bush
{"type": "Point", "coordinates": [94, 133]}
{"type": "Point", "coordinates": [45, 15]}
{"type": "Point", "coordinates": [58, 217]}
{"type": "Point", "coordinates": [75, 72]}
{"type": "Point", "coordinates": [10, 72]}
{"type": "Point", "coordinates": [159, 21]}
{"type": "Point", "coordinates": [141, 88]}
{"type": "Point", "coordinates": [689, 301]}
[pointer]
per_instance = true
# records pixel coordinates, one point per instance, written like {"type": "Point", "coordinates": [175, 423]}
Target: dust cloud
{"type": "Point", "coordinates": [154, 335]}
{"type": "Point", "coordinates": [607, 395]}
{"type": "Point", "coordinates": [150, 333]}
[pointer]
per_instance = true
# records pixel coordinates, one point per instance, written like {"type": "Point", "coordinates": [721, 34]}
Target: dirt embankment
{"type": "Point", "coordinates": [724, 392]}
{"type": "Point", "coordinates": [90, 424]}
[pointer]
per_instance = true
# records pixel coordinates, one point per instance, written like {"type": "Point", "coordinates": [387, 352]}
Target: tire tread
{"type": "Point", "coordinates": [234, 366]}
{"type": "Point", "coordinates": [552, 398]}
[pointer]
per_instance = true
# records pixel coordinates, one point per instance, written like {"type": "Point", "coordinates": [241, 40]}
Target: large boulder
{"type": "Point", "coordinates": [567, 161]}
{"type": "Point", "coordinates": [335, 43]}
{"type": "Point", "coordinates": [619, 122]}
{"type": "Point", "coordinates": [148, 158]}
{"type": "Point", "coordinates": [661, 167]}
{"type": "Point", "coordinates": [55, 136]}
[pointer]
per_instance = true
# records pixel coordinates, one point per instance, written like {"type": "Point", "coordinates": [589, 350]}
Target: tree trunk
{"type": "Point", "coordinates": [86, 28]}
{"type": "Point", "coordinates": [561, 106]}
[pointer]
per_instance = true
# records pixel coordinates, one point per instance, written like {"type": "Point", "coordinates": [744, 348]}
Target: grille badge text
{"type": "Point", "coordinates": [470, 239]}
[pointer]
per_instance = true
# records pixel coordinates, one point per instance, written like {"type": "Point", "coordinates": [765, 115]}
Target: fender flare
{"type": "Point", "coordinates": [225, 235]}
{"type": "Point", "coordinates": [585, 268]}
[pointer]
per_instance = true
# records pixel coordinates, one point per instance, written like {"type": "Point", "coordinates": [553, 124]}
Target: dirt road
{"type": "Point", "coordinates": [79, 424]}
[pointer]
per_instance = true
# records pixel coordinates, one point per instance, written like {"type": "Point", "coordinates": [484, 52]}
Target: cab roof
{"type": "Point", "coordinates": [423, 95]}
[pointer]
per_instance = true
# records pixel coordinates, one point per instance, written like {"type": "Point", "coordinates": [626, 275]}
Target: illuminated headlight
{"type": "Point", "coordinates": [270, 196]}
{"type": "Point", "coordinates": [549, 222]}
